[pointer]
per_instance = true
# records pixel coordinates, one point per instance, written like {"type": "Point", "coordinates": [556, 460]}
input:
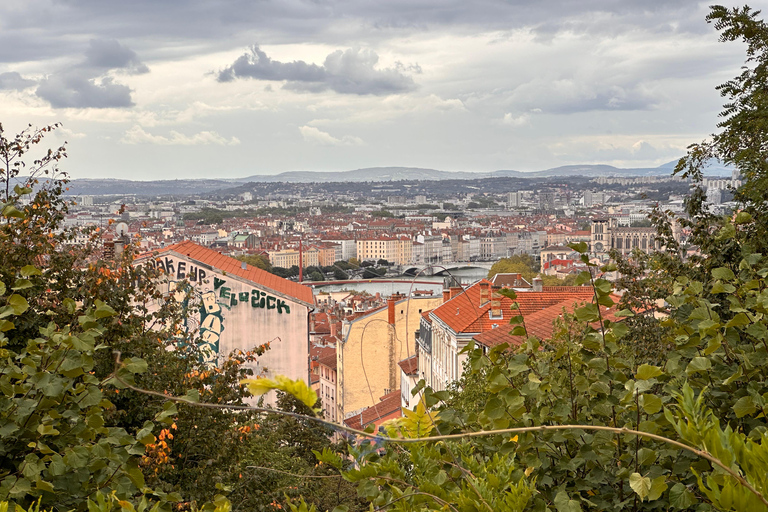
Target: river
{"type": "Point", "coordinates": [403, 285]}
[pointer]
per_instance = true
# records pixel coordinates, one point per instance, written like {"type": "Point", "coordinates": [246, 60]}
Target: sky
{"type": "Point", "coordinates": [151, 89]}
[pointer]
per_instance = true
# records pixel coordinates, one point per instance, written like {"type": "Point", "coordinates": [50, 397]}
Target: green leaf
{"type": "Point", "coordinates": [30, 270]}
{"type": "Point", "coordinates": [564, 503]}
{"type": "Point", "coordinates": [43, 485]}
{"type": "Point", "coordinates": [742, 218]}
{"type": "Point", "coordinates": [698, 364]}
{"type": "Point", "coordinates": [680, 497]}
{"type": "Point", "coordinates": [624, 313]}
{"type": "Point", "coordinates": [580, 247]}
{"type": "Point", "coordinates": [519, 330]}
{"type": "Point", "coordinates": [583, 277]}
{"type": "Point", "coordinates": [651, 403]}
{"type": "Point", "coordinates": [21, 284]}
{"type": "Point", "coordinates": [297, 388]}
{"type": "Point", "coordinates": [723, 273]}
{"type": "Point", "coordinates": [11, 211]}
{"type": "Point", "coordinates": [647, 371]}
{"type": "Point", "coordinates": [744, 406]}
{"type": "Point", "coordinates": [658, 487]}
{"type": "Point", "coordinates": [2, 288]}
{"type": "Point", "coordinates": [587, 313]}
{"type": "Point", "coordinates": [640, 484]}
{"type": "Point", "coordinates": [135, 365]}
{"type": "Point", "coordinates": [103, 310]}
{"type": "Point", "coordinates": [18, 303]}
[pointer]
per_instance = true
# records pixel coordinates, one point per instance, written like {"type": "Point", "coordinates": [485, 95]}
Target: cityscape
{"type": "Point", "coordinates": [326, 256]}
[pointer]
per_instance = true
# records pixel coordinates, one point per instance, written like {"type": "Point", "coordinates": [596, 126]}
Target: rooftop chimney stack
{"type": "Point", "coordinates": [391, 309]}
{"type": "Point", "coordinates": [484, 293]}
{"type": "Point", "coordinates": [496, 302]}
{"type": "Point", "coordinates": [538, 284]}
{"type": "Point", "coordinates": [454, 291]}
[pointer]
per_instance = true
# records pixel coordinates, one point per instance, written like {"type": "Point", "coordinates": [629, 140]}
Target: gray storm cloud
{"type": "Point", "coordinates": [86, 86]}
{"type": "Point", "coordinates": [14, 81]}
{"type": "Point", "coordinates": [351, 71]}
{"type": "Point", "coordinates": [76, 89]}
{"type": "Point", "coordinates": [110, 54]}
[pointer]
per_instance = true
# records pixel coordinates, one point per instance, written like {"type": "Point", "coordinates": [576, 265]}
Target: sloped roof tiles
{"type": "Point", "coordinates": [232, 266]}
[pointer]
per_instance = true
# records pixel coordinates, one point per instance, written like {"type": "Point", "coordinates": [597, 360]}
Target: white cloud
{"type": "Point", "coordinates": [137, 135]}
{"type": "Point", "coordinates": [316, 136]}
{"type": "Point", "coordinates": [520, 120]}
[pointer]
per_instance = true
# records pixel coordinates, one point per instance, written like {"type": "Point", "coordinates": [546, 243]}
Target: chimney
{"type": "Point", "coordinates": [334, 327]}
{"type": "Point", "coordinates": [446, 295]}
{"type": "Point", "coordinates": [484, 293]}
{"type": "Point", "coordinates": [119, 246]}
{"type": "Point", "coordinates": [311, 323]}
{"type": "Point", "coordinates": [391, 309]}
{"type": "Point", "coordinates": [496, 302]}
{"type": "Point", "coordinates": [455, 290]}
{"type": "Point", "coordinates": [538, 284]}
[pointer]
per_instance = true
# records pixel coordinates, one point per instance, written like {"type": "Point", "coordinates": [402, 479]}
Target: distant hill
{"type": "Point", "coordinates": [371, 174]}
{"type": "Point", "coordinates": [106, 187]}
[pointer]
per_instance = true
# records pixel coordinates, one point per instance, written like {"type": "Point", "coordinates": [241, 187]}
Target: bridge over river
{"type": "Point", "coordinates": [445, 269]}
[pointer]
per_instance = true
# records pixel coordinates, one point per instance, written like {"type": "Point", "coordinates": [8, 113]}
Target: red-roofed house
{"type": "Point", "coordinates": [477, 312]}
{"type": "Point", "coordinates": [238, 307]}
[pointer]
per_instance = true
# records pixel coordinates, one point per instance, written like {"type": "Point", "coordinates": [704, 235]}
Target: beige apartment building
{"type": "Point", "coordinates": [393, 249]}
{"type": "Point", "coordinates": [287, 258]}
{"type": "Point", "coordinates": [371, 348]}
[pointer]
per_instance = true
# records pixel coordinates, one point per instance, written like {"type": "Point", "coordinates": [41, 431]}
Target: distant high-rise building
{"type": "Point", "coordinates": [515, 199]}
{"type": "Point", "coordinates": [547, 200]}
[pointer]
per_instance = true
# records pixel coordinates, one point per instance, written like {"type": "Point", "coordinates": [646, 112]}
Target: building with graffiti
{"type": "Point", "coordinates": [233, 306]}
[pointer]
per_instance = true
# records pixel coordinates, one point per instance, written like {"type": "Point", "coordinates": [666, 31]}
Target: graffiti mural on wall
{"type": "Point", "coordinates": [256, 298]}
{"type": "Point", "coordinates": [211, 326]}
{"type": "Point", "coordinates": [206, 318]}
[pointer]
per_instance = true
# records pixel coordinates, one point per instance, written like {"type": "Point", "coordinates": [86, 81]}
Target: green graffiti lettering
{"type": "Point", "coordinates": [224, 293]}
{"type": "Point", "coordinates": [243, 297]}
{"type": "Point", "coordinates": [271, 302]}
{"type": "Point", "coordinates": [217, 283]}
{"type": "Point", "coordinates": [282, 305]}
{"type": "Point", "coordinates": [255, 298]}
{"type": "Point", "coordinates": [233, 299]}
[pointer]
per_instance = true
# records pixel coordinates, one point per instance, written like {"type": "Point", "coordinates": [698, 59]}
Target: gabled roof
{"type": "Point", "coordinates": [510, 280]}
{"type": "Point", "coordinates": [540, 323]}
{"type": "Point", "coordinates": [465, 314]}
{"type": "Point", "coordinates": [259, 277]}
{"type": "Point", "coordinates": [388, 408]}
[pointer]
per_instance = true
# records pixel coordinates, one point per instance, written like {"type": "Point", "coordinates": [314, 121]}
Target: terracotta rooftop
{"type": "Point", "coordinates": [409, 366]}
{"type": "Point", "coordinates": [465, 314]}
{"type": "Point", "coordinates": [540, 323]}
{"type": "Point", "coordinates": [328, 358]}
{"type": "Point", "coordinates": [388, 408]}
{"type": "Point", "coordinates": [232, 266]}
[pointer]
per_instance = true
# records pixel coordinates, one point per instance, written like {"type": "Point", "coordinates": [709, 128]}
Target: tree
{"type": "Point", "coordinates": [12, 162]}
{"type": "Point", "coordinates": [518, 264]}
{"type": "Point", "coordinates": [741, 143]}
{"type": "Point", "coordinates": [256, 260]}
{"type": "Point", "coordinates": [340, 275]}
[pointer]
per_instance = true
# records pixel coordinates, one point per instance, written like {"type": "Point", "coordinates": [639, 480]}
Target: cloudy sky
{"type": "Point", "coordinates": [150, 89]}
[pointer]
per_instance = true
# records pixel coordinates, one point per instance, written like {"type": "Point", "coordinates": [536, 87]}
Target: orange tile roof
{"type": "Point", "coordinates": [409, 366]}
{"type": "Point", "coordinates": [232, 266]}
{"type": "Point", "coordinates": [541, 323]}
{"type": "Point", "coordinates": [465, 314]}
{"type": "Point", "coordinates": [388, 408]}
